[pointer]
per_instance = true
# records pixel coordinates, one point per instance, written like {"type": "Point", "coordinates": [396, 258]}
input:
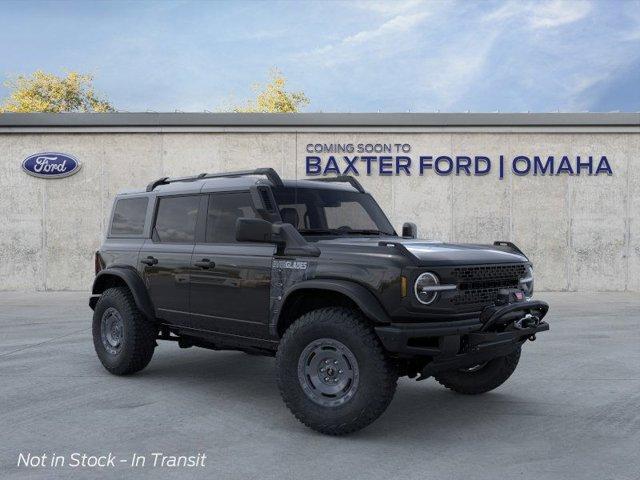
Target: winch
{"type": "Point", "coordinates": [511, 307]}
{"type": "Point", "coordinates": [528, 321]}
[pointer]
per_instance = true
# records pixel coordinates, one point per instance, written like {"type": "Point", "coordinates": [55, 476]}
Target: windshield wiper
{"type": "Point", "coordinates": [318, 231]}
{"type": "Point", "coordinates": [365, 232]}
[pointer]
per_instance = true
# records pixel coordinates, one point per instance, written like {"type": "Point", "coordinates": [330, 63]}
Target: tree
{"type": "Point", "coordinates": [273, 98]}
{"type": "Point", "coordinates": [47, 92]}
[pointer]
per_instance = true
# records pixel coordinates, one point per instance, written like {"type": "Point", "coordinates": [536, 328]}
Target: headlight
{"type": "Point", "coordinates": [423, 288]}
{"type": "Point", "coordinates": [526, 282]}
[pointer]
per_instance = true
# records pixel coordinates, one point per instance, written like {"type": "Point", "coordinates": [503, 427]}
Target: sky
{"type": "Point", "coordinates": [359, 56]}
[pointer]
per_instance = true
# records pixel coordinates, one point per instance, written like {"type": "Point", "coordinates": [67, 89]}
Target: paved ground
{"type": "Point", "coordinates": [571, 410]}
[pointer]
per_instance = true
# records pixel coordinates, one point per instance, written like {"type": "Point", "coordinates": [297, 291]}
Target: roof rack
{"type": "Point", "coordinates": [270, 173]}
{"type": "Point", "coordinates": [341, 178]}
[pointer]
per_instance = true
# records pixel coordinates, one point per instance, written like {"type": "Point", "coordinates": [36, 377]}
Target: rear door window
{"type": "Point", "coordinates": [128, 216]}
{"type": "Point", "coordinates": [176, 219]}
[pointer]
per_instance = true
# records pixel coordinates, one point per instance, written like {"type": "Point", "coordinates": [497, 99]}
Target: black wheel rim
{"type": "Point", "coordinates": [328, 372]}
{"type": "Point", "coordinates": [112, 330]}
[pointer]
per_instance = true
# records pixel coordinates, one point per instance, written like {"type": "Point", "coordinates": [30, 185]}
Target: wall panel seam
{"type": "Point", "coordinates": [627, 224]}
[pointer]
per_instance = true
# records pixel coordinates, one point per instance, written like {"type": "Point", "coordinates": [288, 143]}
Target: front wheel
{"type": "Point", "coordinates": [333, 373]}
{"type": "Point", "coordinates": [480, 378]}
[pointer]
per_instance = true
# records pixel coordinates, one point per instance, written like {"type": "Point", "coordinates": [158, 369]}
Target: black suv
{"type": "Point", "coordinates": [313, 273]}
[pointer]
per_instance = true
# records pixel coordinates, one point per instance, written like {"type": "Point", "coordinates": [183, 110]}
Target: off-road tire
{"type": "Point", "coordinates": [377, 375]}
{"type": "Point", "coordinates": [138, 337]}
{"type": "Point", "coordinates": [487, 378]}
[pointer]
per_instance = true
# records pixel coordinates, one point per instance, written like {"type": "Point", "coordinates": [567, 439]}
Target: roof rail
{"type": "Point", "coordinates": [270, 173]}
{"type": "Point", "coordinates": [341, 178]}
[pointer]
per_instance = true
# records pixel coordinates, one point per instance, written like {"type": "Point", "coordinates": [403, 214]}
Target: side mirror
{"type": "Point", "coordinates": [409, 230]}
{"type": "Point", "coordinates": [284, 235]}
{"type": "Point", "coordinates": [254, 230]}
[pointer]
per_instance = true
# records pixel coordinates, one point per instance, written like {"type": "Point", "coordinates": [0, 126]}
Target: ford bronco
{"type": "Point", "coordinates": [313, 273]}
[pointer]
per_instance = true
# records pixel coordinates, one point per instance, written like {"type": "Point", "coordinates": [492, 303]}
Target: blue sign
{"type": "Point", "coordinates": [51, 165]}
{"type": "Point", "coordinates": [386, 159]}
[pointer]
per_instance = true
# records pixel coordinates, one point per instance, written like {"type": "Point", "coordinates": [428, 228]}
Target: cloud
{"type": "Point", "coordinates": [511, 56]}
{"type": "Point", "coordinates": [390, 7]}
{"type": "Point", "coordinates": [399, 24]}
{"type": "Point", "coordinates": [451, 73]}
{"type": "Point", "coordinates": [632, 12]}
{"type": "Point", "coordinates": [556, 13]}
{"type": "Point", "coordinates": [387, 55]}
{"type": "Point", "coordinates": [507, 11]}
{"type": "Point", "coordinates": [541, 15]}
{"type": "Point", "coordinates": [557, 65]}
{"type": "Point", "coordinates": [256, 35]}
{"type": "Point", "coordinates": [388, 37]}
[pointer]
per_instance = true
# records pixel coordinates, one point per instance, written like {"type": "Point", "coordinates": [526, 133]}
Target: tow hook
{"type": "Point", "coordinates": [528, 321]}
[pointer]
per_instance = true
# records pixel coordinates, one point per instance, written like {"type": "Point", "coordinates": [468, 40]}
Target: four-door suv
{"type": "Point", "coordinates": [310, 271]}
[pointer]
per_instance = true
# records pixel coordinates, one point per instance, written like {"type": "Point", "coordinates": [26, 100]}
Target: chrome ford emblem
{"type": "Point", "coordinates": [51, 165]}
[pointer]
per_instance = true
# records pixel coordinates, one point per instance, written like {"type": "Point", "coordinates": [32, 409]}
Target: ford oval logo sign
{"type": "Point", "coordinates": [51, 165]}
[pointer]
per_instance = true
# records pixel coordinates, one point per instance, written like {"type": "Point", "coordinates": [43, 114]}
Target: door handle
{"type": "Point", "coordinates": [205, 263]}
{"type": "Point", "coordinates": [149, 260]}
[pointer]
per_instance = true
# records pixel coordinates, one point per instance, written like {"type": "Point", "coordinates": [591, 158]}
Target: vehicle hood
{"type": "Point", "coordinates": [432, 252]}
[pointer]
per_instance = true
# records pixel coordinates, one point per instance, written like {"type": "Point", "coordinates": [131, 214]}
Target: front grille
{"type": "Point", "coordinates": [480, 284]}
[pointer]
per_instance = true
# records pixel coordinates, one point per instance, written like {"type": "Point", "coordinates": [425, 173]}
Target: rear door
{"type": "Point", "coordinates": [230, 281]}
{"type": "Point", "coordinates": [165, 259]}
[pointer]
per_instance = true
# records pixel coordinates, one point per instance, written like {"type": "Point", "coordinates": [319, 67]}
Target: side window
{"type": "Point", "coordinates": [224, 210]}
{"type": "Point", "coordinates": [176, 219]}
{"type": "Point", "coordinates": [128, 216]}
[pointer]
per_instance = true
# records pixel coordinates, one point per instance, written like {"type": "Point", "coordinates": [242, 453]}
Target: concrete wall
{"type": "Point", "coordinates": [582, 233]}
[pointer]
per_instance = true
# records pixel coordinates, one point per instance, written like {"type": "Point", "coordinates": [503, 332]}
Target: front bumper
{"type": "Point", "coordinates": [464, 343]}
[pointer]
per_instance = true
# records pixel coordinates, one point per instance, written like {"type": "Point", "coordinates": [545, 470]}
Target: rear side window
{"type": "Point", "coordinates": [224, 210]}
{"type": "Point", "coordinates": [176, 219]}
{"type": "Point", "coordinates": [129, 215]}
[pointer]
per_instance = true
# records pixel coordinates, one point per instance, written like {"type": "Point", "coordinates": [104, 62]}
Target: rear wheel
{"type": "Point", "coordinates": [123, 339]}
{"type": "Point", "coordinates": [480, 378]}
{"type": "Point", "coordinates": [333, 373]}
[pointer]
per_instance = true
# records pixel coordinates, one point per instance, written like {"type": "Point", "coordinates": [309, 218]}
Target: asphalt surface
{"type": "Point", "coordinates": [571, 409]}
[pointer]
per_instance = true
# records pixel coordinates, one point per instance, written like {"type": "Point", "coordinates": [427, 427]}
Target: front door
{"type": "Point", "coordinates": [165, 260]}
{"type": "Point", "coordinates": [230, 281]}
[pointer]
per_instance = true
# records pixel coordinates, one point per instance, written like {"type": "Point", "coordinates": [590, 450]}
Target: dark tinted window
{"type": "Point", "coordinates": [224, 210]}
{"type": "Point", "coordinates": [129, 215]}
{"type": "Point", "coordinates": [176, 219]}
{"type": "Point", "coordinates": [331, 211]}
{"type": "Point", "coordinates": [349, 214]}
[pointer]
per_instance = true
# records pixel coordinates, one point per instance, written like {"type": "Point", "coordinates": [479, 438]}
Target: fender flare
{"type": "Point", "coordinates": [133, 281]}
{"type": "Point", "coordinates": [361, 296]}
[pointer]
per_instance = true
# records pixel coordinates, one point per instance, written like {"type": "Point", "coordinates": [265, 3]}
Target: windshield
{"type": "Point", "coordinates": [331, 212]}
